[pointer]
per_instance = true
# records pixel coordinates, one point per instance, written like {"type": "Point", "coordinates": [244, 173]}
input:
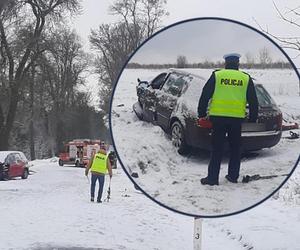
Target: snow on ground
{"type": "Point", "coordinates": [174, 180]}
{"type": "Point", "coordinates": [274, 225]}
{"type": "Point", "coordinates": [51, 210]}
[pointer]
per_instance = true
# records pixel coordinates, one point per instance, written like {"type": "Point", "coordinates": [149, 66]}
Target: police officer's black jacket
{"type": "Point", "coordinates": [208, 91]}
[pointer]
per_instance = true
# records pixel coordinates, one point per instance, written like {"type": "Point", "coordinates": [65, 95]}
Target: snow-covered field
{"type": "Point", "coordinates": [51, 210]}
{"type": "Point", "coordinates": [174, 180]}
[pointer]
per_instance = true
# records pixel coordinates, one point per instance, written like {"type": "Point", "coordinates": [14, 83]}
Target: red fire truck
{"type": "Point", "coordinates": [78, 152]}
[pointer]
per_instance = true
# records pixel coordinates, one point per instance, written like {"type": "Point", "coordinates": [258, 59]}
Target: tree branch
{"type": "Point", "coordinates": [284, 18]}
{"type": "Point", "coordinates": [7, 50]}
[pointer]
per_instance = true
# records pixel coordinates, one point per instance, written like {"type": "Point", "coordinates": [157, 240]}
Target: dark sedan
{"type": "Point", "coordinates": [170, 101]}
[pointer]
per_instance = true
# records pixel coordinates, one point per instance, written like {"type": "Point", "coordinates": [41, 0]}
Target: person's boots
{"type": "Point", "coordinates": [206, 181]}
{"type": "Point", "coordinates": [92, 199]}
{"type": "Point", "coordinates": [231, 179]}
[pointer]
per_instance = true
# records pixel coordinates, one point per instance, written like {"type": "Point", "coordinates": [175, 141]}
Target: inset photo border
{"type": "Point", "coordinates": [155, 101]}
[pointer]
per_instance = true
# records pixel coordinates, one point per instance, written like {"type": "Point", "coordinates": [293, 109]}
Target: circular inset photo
{"type": "Point", "coordinates": [204, 117]}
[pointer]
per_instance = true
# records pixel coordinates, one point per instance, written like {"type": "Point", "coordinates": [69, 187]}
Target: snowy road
{"type": "Point", "coordinates": [173, 179]}
{"type": "Point", "coordinates": [51, 209]}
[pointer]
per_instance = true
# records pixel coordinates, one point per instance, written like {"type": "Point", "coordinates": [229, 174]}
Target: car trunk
{"type": "Point", "coordinates": [269, 115]}
{"type": "Point", "coordinates": [269, 119]}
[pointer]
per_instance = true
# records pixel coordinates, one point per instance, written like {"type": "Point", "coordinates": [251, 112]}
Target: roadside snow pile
{"type": "Point", "coordinates": [54, 159]}
{"type": "Point", "coordinates": [290, 192]}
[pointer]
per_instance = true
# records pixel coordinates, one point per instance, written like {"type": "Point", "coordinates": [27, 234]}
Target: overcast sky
{"type": "Point", "coordinates": [201, 40]}
{"type": "Point", "coordinates": [95, 12]}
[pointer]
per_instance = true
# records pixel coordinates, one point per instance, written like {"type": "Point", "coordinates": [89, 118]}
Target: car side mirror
{"type": "Point", "coordinates": [142, 82]}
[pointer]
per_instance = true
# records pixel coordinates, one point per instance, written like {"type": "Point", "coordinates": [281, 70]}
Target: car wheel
{"type": "Point", "coordinates": [141, 116]}
{"type": "Point", "coordinates": [25, 174]}
{"type": "Point", "coordinates": [178, 140]}
{"type": "Point", "coordinates": [60, 162]}
{"type": "Point", "coordinates": [77, 164]}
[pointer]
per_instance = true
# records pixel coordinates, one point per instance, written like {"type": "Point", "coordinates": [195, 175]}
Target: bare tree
{"type": "Point", "coordinates": [264, 57]}
{"type": "Point", "coordinates": [22, 23]}
{"type": "Point", "coordinates": [249, 59]}
{"type": "Point", "coordinates": [181, 61]}
{"type": "Point", "coordinates": [114, 43]}
{"type": "Point", "coordinates": [143, 15]}
{"type": "Point", "coordinates": [290, 16]}
{"type": "Point", "coordinates": [61, 69]}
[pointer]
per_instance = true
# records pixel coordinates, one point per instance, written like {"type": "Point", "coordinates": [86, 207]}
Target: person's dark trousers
{"type": "Point", "coordinates": [234, 140]}
{"type": "Point", "coordinates": [100, 179]}
{"type": "Point", "coordinates": [221, 126]}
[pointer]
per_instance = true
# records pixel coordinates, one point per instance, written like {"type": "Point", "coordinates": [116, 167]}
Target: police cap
{"type": "Point", "coordinates": [233, 57]}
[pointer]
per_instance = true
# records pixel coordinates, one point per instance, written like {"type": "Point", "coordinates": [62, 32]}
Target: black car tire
{"type": "Point", "coordinates": [25, 174]}
{"type": "Point", "coordinates": [60, 162]}
{"type": "Point", "coordinates": [178, 140]}
{"type": "Point", "coordinates": [141, 117]}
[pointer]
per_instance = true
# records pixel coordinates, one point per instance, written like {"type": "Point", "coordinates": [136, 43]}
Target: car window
{"type": "Point", "coordinates": [23, 157]}
{"type": "Point", "coordinates": [17, 157]}
{"type": "Point", "coordinates": [174, 84]}
{"type": "Point", "coordinates": [263, 97]}
{"type": "Point", "coordinates": [158, 81]}
{"type": "Point", "coordinates": [10, 159]}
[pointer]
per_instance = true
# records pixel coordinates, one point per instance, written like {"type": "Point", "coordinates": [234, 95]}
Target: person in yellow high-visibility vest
{"type": "Point", "coordinates": [223, 99]}
{"type": "Point", "coordinates": [99, 166]}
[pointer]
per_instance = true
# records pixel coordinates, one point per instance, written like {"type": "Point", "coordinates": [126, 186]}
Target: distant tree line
{"type": "Point", "coordinates": [264, 61]}
{"type": "Point", "coordinates": [209, 65]}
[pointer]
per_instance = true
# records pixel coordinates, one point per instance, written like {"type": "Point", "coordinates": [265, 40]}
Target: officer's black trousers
{"type": "Point", "coordinates": [221, 127]}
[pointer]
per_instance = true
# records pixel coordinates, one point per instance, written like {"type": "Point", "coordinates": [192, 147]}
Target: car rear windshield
{"type": "Point", "coordinates": [263, 97]}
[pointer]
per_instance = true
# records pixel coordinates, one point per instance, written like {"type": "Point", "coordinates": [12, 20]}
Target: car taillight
{"type": "Point", "coordinates": [279, 121]}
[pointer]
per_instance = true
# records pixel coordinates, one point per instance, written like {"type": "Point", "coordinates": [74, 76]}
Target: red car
{"type": "Point", "coordinates": [13, 164]}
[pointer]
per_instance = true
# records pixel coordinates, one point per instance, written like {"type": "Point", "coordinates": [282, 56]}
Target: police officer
{"type": "Point", "coordinates": [228, 91]}
{"type": "Point", "coordinates": [99, 166]}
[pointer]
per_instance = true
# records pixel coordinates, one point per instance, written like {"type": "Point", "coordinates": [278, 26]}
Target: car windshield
{"type": "Point", "coordinates": [263, 97]}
